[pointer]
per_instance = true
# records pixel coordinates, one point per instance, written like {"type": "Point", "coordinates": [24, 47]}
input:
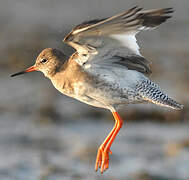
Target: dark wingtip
{"type": "Point", "coordinates": [136, 8]}
{"type": "Point", "coordinates": [168, 10]}
{"type": "Point", "coordinates": [133, 8]}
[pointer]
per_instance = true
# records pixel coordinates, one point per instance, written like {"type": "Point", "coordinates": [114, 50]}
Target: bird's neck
{"type": "Point", "coordinates": [69, 74]}
{"type": "Point", "coordinates": [60, 66]}
{"type": "Point", "coordinates": [60, 78]}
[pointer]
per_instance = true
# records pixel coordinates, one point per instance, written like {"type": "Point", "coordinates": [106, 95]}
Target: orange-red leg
{"type": "Point", "coordinates": [102, 147]}
{"type": "Point", "coordinates": [102, 160]}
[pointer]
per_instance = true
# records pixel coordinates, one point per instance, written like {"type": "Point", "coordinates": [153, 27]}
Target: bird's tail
{"type": "Point", "coordinates": [151, 92]}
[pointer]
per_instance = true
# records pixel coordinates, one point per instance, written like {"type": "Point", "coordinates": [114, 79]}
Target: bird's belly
{"type": "Point", "coordinates": [83, 92]}
{"type": "Point", "coordinates": [103, 89]}
{"type": "Point", "coordinates": [90, 101]}
{"type": "Point", "coordinates": [103, 95]}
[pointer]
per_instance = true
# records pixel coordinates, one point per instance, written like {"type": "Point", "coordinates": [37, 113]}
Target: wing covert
{"type": "Point", "coordinates": [96, 37]}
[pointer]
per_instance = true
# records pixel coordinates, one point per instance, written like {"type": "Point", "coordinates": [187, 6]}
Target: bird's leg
{"type": "Point", "coordinates": [102, 160]}
{"type": "Point", "coordinates": [102, 147]}
{"type": "Point", "coordinates": [105, 157]}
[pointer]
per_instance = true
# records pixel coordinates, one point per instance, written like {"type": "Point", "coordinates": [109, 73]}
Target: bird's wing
{"type": "Point", "coordinates": [115, 36]}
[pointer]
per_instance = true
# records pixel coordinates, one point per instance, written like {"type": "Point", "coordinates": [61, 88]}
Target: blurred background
{"type": "Point", "coordinates": [45, 135]}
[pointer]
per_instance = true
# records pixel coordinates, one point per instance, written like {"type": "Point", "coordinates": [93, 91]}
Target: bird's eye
{"type": "Point", "coordinates": [43, 60]}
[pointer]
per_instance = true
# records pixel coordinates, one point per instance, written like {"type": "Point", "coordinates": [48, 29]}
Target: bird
{"type": "Point", "coordinates": [107, 69]}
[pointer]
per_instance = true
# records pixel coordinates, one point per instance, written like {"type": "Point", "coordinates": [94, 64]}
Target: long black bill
{"type": "Point", "coordinates": [18, 73]}
{"type": "Point", "coordinates": [30, 69]}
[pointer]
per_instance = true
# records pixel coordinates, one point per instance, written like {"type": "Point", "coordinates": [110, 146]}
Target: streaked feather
{"type": "Point", "coordinates": [152, 93]}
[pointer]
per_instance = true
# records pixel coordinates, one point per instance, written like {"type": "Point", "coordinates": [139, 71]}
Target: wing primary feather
{"type": "Point", "coordinates": [134, 62]}
{"type": "Point", "coordinates": [134, 12]}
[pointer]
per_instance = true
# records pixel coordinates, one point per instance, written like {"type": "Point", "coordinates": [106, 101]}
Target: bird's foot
{"type": "Point", "coordinates": [102, 159]}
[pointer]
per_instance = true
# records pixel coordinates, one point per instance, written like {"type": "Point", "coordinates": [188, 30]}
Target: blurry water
{"type": "Point", "coordinates": [37, 151]}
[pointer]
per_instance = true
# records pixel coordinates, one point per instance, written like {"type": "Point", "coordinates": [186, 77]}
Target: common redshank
{"type": "Point", "coordinates": [107, 69]}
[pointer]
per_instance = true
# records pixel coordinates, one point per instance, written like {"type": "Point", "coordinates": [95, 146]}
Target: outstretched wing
{"type": "Point", "coordinates": [115, 36]}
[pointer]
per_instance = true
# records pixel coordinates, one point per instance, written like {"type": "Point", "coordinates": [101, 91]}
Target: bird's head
{"type": "Point", "coordinates": [49, 62]}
